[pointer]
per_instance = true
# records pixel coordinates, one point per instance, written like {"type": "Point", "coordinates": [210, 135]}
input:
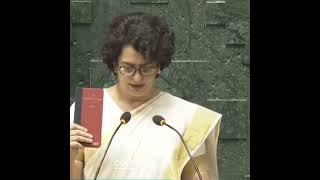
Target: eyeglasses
{"type": "Point", "coordinates": [131, 70]}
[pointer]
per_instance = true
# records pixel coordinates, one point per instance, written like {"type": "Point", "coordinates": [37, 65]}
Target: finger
{"type": "Point", "coordinates": [80, 139]}
{"type": "Point", "coordinates": [77, 126]}
{"type": "Point", "coordinates": [76, 145]}
{"type": "Point", "coordinates": [80, 133]}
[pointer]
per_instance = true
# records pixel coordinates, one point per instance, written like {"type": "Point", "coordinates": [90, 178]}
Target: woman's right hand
{"type": "Point", "coordinates": [79, 135]}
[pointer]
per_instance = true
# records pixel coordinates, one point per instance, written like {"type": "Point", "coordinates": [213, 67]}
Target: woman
{"type": "Point", "coordinates": [138, 47]}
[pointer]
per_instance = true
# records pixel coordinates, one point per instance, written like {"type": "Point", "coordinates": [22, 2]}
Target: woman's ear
{"type": "Point", "coordinates": [158, 73]}
{"type": "Point", "coordinates": [114, 69]}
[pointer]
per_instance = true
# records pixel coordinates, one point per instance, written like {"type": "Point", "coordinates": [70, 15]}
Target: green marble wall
{"type": "Point", "coordinates": [211, 66]}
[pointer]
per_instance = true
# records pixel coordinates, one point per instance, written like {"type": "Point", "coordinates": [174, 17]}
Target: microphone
{"type": "Point", "coordinates": [124, 119]}
{"type": "Point", "coordinates": [159, 120]}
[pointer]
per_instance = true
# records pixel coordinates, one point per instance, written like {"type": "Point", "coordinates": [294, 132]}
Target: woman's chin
{"type": "Point", "coordinates": [141, 93]}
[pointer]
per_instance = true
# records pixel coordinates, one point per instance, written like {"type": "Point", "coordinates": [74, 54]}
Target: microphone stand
{"type": "Point", "coordinates": [97, 171]}
{"type": "Point", "coordinates": [193, 163]}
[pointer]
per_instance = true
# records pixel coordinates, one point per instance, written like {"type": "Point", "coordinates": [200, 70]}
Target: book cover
{"type": "Point", "coordinates": [88, 112]}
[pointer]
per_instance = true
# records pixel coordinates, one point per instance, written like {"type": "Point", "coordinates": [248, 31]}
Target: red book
{"type": "Point", "coordinates": [88, 112]}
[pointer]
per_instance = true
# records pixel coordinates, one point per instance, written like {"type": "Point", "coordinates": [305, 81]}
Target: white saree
{"type": "Point", "coordinates": [143, 150]}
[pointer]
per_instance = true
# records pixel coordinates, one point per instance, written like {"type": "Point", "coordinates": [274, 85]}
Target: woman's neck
{"type": "Point", "coordinates": [127, 102]}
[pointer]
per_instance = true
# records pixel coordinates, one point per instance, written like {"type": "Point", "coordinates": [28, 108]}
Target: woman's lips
{"type": "Point", "coordinates": [137, 86]}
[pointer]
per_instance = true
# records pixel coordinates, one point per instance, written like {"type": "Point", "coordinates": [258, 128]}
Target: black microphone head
{"type": "Point", "coordinates": [126, 116]}
{"type": "Point", "coordinates": [158, 120]}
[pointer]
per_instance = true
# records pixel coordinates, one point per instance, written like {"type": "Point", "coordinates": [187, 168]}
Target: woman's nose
{"type": "Point", "coordinates": [137, 77]}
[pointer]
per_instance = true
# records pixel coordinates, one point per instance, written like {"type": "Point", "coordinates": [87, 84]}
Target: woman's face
{"type": "Point", "coordinates": [136, 85]}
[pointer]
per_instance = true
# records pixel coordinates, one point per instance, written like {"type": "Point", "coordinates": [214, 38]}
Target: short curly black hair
{"type": "Point", "coordinates": [150, 35]}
